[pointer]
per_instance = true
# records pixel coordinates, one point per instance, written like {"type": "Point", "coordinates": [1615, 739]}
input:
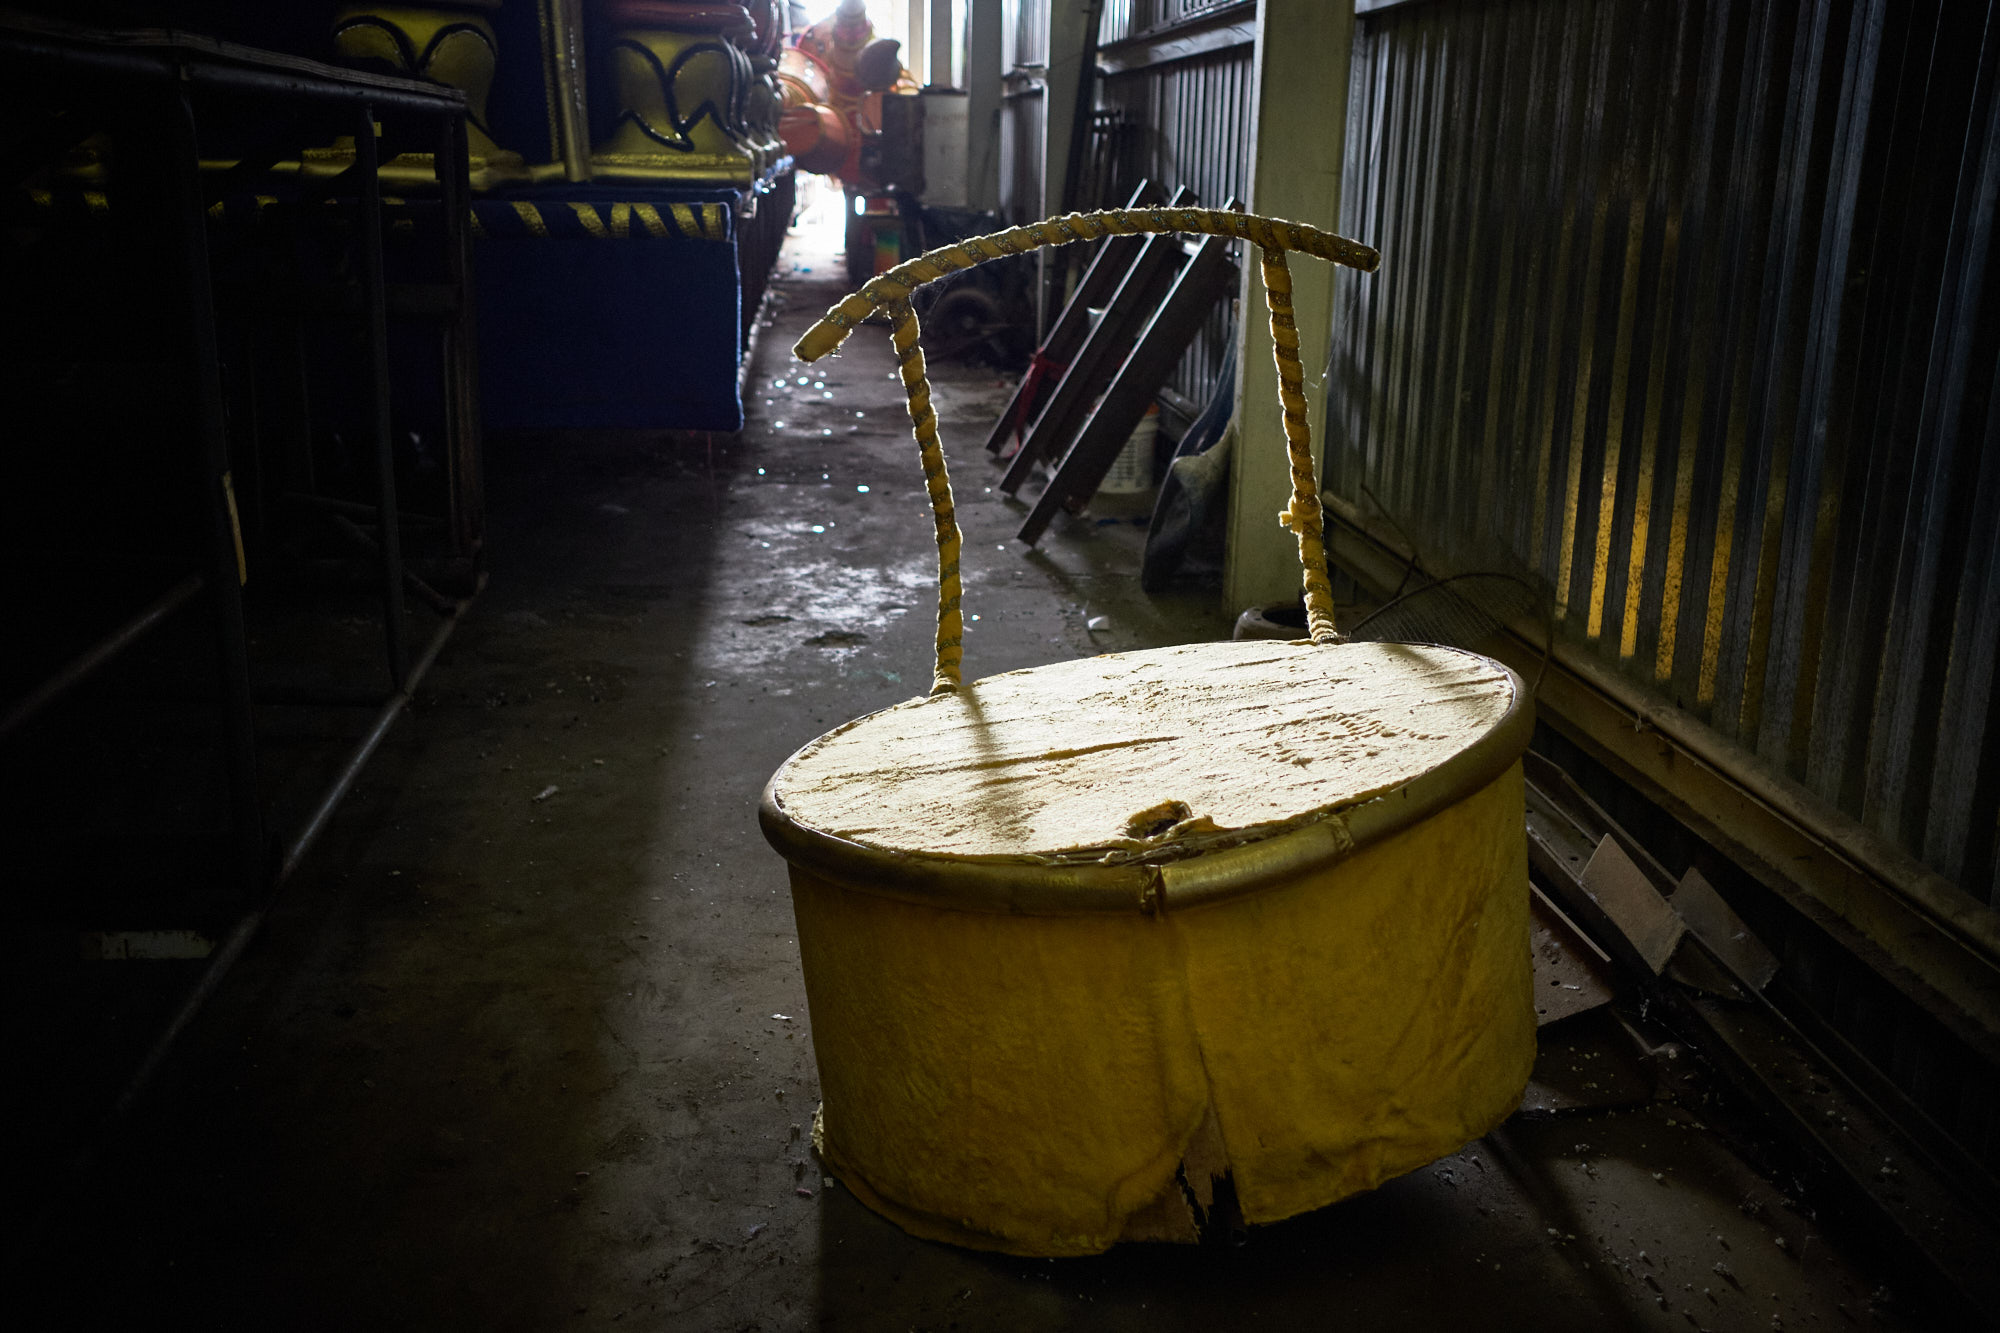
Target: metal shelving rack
{"type": "Point", "coordinates": [202, 130]}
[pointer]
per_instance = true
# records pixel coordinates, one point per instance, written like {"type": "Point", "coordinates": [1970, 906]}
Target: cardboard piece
{"type": "Point", "coordinates": [1712, 921]}
{"type": "Point", "coordinates": [1572, 975]}
{"type": "Point", "coordinates": [1646, 920]}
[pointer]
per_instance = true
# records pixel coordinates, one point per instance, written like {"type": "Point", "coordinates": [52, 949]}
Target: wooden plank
{"type": "Point", "coordinates": [1205, 280]}
{"type": "Point", "coordinates": [1112, 262]}
{"type": "Point", "coordinates": [1105, 347]}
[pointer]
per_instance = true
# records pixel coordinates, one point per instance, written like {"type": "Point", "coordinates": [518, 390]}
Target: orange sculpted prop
{"type": "Point", "coordinates": [832, 80]}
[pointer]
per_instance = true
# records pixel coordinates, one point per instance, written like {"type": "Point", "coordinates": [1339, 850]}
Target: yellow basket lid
{"type": "Point", "coordinates": [1146, 779]}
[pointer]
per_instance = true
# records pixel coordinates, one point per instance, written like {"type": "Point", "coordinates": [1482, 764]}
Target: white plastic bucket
{"type": "Point", "coordinates": [1132, 471]}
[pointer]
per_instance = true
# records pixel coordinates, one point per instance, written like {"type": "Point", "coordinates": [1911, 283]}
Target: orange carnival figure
{"type": "Point", "coordinates": [832, 79]}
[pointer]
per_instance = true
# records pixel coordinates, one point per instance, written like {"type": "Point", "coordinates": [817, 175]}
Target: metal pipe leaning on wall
{"type": "Point", "coordinates": [890, 293]}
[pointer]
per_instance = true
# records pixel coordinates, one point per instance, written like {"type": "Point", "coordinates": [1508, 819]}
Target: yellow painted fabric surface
{"type": "Point", "coordinates": [1056, 762]}
{"type": "Point", "coordinates": [1027, 1084]}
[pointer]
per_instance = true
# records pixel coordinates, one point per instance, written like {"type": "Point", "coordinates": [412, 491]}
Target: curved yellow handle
{"type": "Point", "coordinates": [890, 292]}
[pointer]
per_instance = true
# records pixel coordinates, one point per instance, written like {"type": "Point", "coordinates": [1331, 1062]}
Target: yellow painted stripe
{"type": "Point", "coordinates": [1642, 510]}
{"type": "Point", "coordinates": [235, 529]}
{"type": "Point", "coordinates": [1614, 431]}
{"type": "Point", "coordinates": [701, 222]}
{"type": "Point", "coordinates": [1725, 551]}
{"type": "Point", "coordinates": [532, 217]}
{"type": "Point", "coordinates": [1677, 533]}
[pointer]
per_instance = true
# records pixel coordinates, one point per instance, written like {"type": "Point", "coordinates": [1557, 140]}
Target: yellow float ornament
{"type": "Point", "coordinates": [1109, 949]}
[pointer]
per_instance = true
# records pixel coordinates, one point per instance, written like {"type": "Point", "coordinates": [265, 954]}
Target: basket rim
{"type": "Point", "coordinates": [1264, 856]}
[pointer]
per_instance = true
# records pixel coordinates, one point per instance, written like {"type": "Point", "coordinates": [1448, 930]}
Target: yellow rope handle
{"type": "Point", "coordinates": [890, 292]}
{"type": "Point", "coordinates": [1303, 517]}
{"type": "Point", "coordinates": [903, 332]}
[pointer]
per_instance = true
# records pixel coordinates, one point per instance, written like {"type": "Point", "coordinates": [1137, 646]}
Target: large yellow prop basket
{"type": "Point", "coordinates": [1097, 949]}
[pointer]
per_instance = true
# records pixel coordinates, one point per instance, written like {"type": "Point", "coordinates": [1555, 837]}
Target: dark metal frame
{"type": "Point", "coordinates": [187, 76]}
{"type": "Point", "coordinates": [1138, 294]}
{"type": "Point", "coordinates": [1108, 267]}
{"type": "Point", "coordinates": [1209, 276]}
{"type": "Point", "coordinates": [1175, 83]}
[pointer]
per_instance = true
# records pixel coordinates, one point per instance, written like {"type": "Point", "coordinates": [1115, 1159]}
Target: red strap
{"type": "Point", "coordinates": [1039, 368]}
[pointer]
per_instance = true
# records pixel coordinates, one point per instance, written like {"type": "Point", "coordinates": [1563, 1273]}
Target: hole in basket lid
{"type": "Point", "coordinates": [1157, 819]}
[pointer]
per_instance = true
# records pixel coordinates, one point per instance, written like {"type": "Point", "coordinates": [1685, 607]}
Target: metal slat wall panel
{"type": "Point", "coordinates": [1688, 312]}
{"type": "Point", "coordinates": [1799, 612]}
{"type": "Point", "coordinates": [1023, 108]}
{"type": "Point", "coordinates": [1949, 440]}
{"type": "Point", "coordinates": [1120, 19]}
{"type": "Point", "coordinates": [1027, 32]}
{"type": "Point", "coordinates": [1021, 128]}
{"type": "Point", "coordinates": [1192, 121]}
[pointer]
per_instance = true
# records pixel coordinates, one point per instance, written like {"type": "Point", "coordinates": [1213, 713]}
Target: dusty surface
{"type": "Point", "coordinates": [526, 1047]}
{"type": "Point", "coordinates": [1104, 753]}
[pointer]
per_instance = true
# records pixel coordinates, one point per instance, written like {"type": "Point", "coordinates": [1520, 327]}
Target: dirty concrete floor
{"type": "Point", "coordinates": [525, 1045]}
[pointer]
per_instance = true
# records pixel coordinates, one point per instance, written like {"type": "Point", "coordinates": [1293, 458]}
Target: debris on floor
{"type": "Point", "coordinates": [572, 1123]}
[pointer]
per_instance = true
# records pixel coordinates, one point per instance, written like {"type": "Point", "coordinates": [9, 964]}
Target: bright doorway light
{"type": "Point", "coordinates": [820, 219]}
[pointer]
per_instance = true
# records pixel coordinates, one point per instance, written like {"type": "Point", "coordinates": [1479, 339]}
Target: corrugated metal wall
{"type": "Point", "coordinates": [1179, 122]}
{"type": "Point", "coordinates": [1024, 108]}
{"type": "Point", "coordinates": [1686, 309]}
{"type": "Point", "coordinates": [1121, 19]}
{"type": "Point", "coordinates": [1195, 116]}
